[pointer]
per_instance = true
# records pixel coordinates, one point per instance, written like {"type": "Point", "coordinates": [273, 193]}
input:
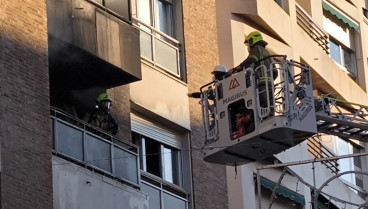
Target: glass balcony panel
{"type": "Point", "coordinates": [98, 153]}
{"type": "Point", "coordinates": [154, 196]}
{"type": "Point", "coordinates": [146, 45]}
{"type": "Point", "coordinates": [78, 143]}
{"type": "Point", "coordinates": [166, 56]}
{"type": "Point", "coordinates": [121, 7]}
{"type": "Point", "coordinates": [171, 201]}
{"type": "Point", "coordinates": [69, 141]}
{"type": "Point", "coordinates": [125, 165]}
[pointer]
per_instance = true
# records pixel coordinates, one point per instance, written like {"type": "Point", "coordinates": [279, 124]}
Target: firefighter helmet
{"type": "Point", "coordinates": [103, 97]}
{"type": "Point", "coordinates": [253, 38]}
{"type": "Point", "coordinates": [220, 69]}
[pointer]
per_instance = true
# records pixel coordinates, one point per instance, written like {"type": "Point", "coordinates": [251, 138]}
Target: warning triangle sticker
{"type": "Point", "coordinates": [233, 84]}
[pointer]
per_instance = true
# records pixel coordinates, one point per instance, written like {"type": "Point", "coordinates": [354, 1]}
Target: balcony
{"type": "Point", "coordinates": [88, 41]}
{"type": "Point", "coordinates": [318, 150]}
{"type": "Point", "coordinates": [163, 194]}
{"type": "Point", "coordinates": [313, 30]}
{"type": "Point", "coordinates": [81, 143]}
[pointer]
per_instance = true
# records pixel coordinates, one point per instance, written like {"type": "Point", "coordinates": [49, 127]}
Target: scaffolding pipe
{"type": "Point", "coordinates": [314, 186]}
{"type": "Point", "coordinates": [276, 187]}
{"type": "Point", "coordinates": [337, 176]}
{"type": "Point", "coordinates": [316, 191]}
{"type": "Point", "coordinates": [259, 189]}
{"type": "Point", "coordinates": [311, 161]}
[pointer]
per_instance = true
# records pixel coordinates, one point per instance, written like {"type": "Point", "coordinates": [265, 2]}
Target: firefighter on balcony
{"type": "Point", "coordinates": [101, 116]}
{"type": "Point", "coordinates": [257, 52]}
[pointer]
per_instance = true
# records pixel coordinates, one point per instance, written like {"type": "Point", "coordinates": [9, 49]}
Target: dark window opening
{"type": "Point", "coordinates": [241, 119]}
{"type": "Point", "coordinates": [159, 159]}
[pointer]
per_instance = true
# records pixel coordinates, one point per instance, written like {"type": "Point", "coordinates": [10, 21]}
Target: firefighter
{"type": "Point", "coordinates": [101, 116]}
{"type": "Point", "coordinates": [257, 51]}
{"type": "Point", "coordinates": [242, 123]}
{"type": "Point", "coordinates": [219, 72]}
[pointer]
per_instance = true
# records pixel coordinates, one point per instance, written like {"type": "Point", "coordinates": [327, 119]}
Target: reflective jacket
{"type": "Point", "coordinates": [258, 52]}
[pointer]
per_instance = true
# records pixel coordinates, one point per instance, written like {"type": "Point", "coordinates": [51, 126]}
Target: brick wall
{"type": "Point", "coordinates": [120, 110]}
{"type": "Point", "coordinates": [210, 189]}
{"type": "Point", "coordinates": [26, 175]}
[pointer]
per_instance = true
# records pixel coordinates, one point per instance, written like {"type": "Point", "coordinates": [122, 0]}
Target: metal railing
{"type": "Point", "coordinates": [318, 150]}
{"type": "Point", "coordinates": [82, 143]}
{"type": "Point", "coordinates": [313, 30]}
{"type": "Point", "coordinates": [158, 48]}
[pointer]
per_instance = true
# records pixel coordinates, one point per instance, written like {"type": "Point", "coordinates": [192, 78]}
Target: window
{"type": "Point", "coordinates": [365, 12]}
{"type": "Point", "coordinates": [160, 149]}
{"type": "Point", "coordinates": [159, 159]}
{"type": "Point", "coordinates": [343, 42]}
{"type": "Point", "coordinates": [280, 2]}
{"type": "Point", "coordinates": [162, 161]}
{"type": "Point", "coordinates": [157, 14]}
{"type": "Point", "coordinates": [344, 57]}
{"type": "Point", "coordinates": [345, 147]}
{"type": "Point", "coordinates": [284, 4]}
{"type": "Point", "coordinates": [157, 20]}
{"type": "Point", "coordinates": [165, 17]}
{"type": "Point", "coordinates": [120, 7]}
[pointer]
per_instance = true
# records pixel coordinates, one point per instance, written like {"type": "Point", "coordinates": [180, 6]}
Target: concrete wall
{"type": "Point", "coordinates": [78, 188]}
{"type": "Point", "coordinates": [162, 94]}
{"type": "Point", "coordinates": [26, 178]}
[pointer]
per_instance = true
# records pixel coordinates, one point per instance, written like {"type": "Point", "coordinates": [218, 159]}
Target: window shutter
{"type": "Point", "coordinates": [155, 131]}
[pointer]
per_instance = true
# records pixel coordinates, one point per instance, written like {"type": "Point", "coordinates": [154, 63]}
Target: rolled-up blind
{"type": "Point", "coordinates": [155, 131]}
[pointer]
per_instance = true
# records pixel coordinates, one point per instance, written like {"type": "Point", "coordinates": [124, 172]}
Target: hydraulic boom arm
{"type": "Point", "coordinates": [342, 118]}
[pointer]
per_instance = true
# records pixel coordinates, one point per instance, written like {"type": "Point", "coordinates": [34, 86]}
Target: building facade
{"type": "Point", "coordinates": [57, 56]}
{"type": "Point", "coordinates": [330, 38]}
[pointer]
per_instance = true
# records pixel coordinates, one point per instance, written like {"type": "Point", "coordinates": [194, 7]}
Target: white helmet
{"type": "Point", "coordinates": [220, 68]}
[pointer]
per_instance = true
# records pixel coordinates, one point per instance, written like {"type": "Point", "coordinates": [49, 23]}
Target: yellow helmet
{"type": "Point", "coordinates": [103, 97]}
{"type": "Point", "coordinates": [253, 38]}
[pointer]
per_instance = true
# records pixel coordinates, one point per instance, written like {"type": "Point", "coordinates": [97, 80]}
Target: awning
{"type": "Point", "coordinates": [340, 15]}
{"type": "Point", "coordinates": [283, 191]}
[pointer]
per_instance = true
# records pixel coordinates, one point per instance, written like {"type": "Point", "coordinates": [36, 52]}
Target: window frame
{"type": "Point", "coordinates": [161, 48]}
{"type": "Point", "coordinates": [169, 12]}
{"type": "Point", "coordinates": [342, 50]}
{"type": "Point", "coordinates": [353, 162]}
{"type": "Point", "coordinates": [176, 172]}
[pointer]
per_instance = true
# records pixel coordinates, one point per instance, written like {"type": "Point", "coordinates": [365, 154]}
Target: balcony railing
{"type": "Point", "coordinates": [77, 141]}
{"type": "Point", "coordinates": [313, 30]}
{"type": "Point", "coordinates": [162, 193]}
{"type": "Point", "coordinates": [158, 48]}
{"type": "Point", "coordinates": [318, 150]}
